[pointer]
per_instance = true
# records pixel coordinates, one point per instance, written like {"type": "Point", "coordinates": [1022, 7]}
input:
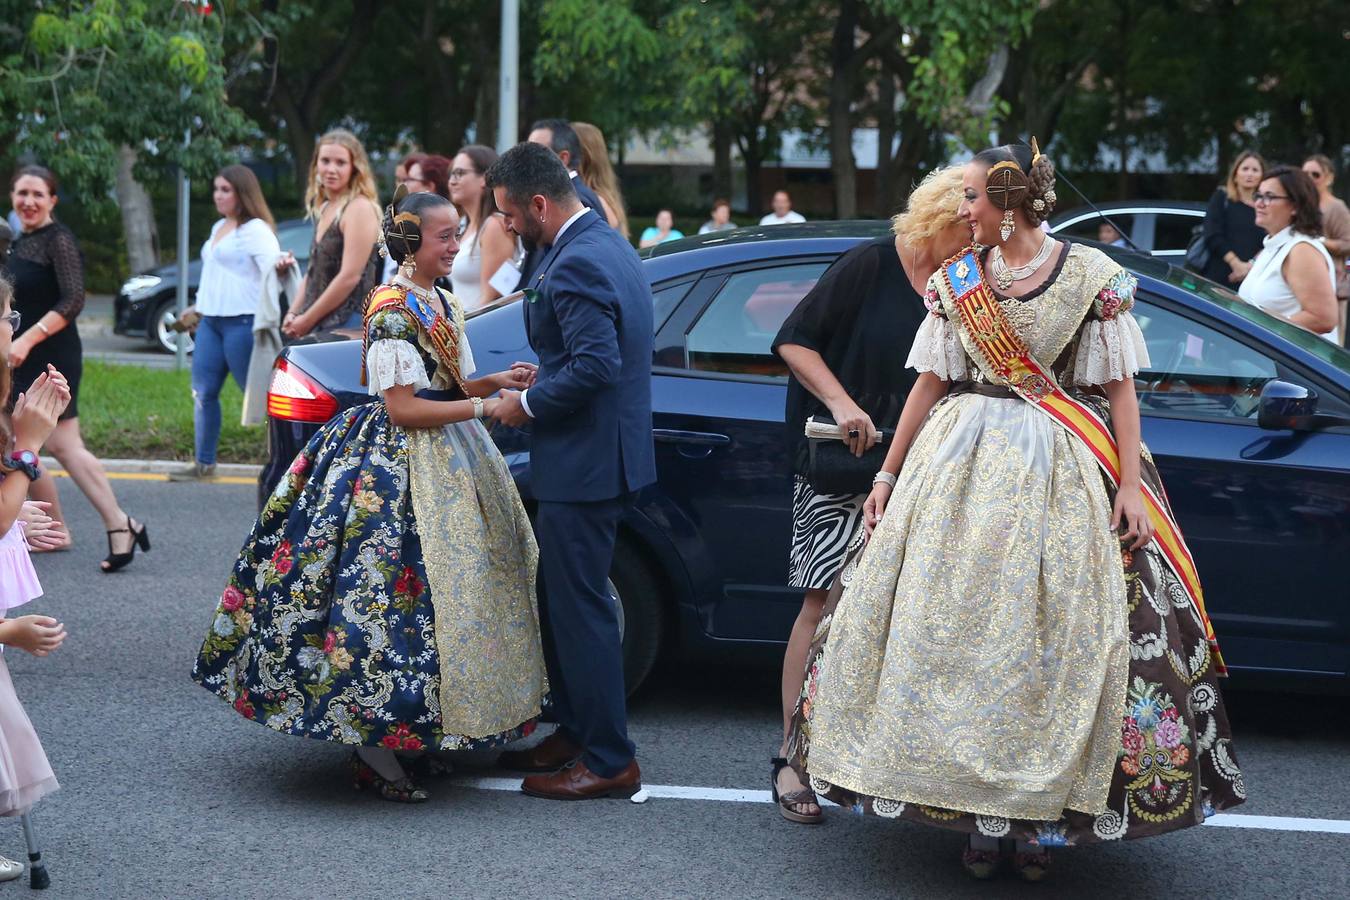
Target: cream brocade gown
{"type": "Point", "coordinates": [978, 662]}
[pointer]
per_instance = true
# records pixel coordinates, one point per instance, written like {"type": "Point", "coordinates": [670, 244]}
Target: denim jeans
{"type": "Point", "coordinates": [224, 347]}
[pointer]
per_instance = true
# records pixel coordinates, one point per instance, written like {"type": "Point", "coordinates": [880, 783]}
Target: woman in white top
{"type": "Point", "coordinates": [242, 247]}
{"type": "Point", "coordinates": [1293, 276]}
{"type": "Point", "coordinates": [485, 246]}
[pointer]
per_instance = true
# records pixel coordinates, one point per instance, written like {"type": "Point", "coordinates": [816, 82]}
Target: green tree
{"type": "Point", "coordinates": [107, 86]}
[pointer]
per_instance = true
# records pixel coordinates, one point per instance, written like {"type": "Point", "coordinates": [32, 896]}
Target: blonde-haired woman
{"type": "Point", "coordinates": [598, 174]}
{"type": "Point", "coordinates": [1230, 229]}
{"type": "Point", "coordinates": [846, 344]}
{"type": "Point", "coordinates": [344, 264]}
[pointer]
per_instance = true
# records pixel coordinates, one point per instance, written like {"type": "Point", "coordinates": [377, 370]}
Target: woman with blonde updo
{"type": "Point", "coordinates": [1012, 656]}
{"type": "Point", "coordinates": [344, 264]}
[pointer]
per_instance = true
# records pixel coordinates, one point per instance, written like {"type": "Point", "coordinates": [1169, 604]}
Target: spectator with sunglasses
{"type": "Point", "coordinates": [1293, 276]}
{"type": "Point", "coordinates": [1335, 226]}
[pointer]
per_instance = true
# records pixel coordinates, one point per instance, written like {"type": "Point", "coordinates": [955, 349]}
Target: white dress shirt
{"type": "Point", "coordinates": [233, 267]}
{"type": "Point", "coordinates": [1265, 287]}
{"type": "Point", "coordinates": [557, 237]}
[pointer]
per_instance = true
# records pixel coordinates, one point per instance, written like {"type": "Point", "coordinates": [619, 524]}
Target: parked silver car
{"type": "Point", "coordinates": [1160, 227]}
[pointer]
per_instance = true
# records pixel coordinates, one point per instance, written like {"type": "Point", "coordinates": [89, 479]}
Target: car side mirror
{"type": "Point", "coordinates": [1292, 407]}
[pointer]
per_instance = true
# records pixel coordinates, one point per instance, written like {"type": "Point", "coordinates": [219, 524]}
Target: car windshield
{"type": "Point", "coordinates": [1222, 296]}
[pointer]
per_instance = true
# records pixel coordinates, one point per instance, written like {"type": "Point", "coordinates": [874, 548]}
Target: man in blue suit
{"type": "Point", "coordinates": [588, 314]}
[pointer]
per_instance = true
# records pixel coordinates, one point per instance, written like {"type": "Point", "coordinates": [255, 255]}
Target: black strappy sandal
{"type": "Point", "coordinates": [139, 538]}
{"type": "Point", "coordinates": [799, 797]}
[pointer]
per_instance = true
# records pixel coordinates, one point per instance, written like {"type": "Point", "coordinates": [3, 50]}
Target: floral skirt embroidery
{"type": "Point", "coordinates": [326, 628]}
{"type": "Point", "coordinates": [1175, 763]}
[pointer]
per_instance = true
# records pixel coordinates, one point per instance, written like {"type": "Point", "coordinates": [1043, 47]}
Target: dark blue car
{"type": "Point", "coordinates": [1247, 416]}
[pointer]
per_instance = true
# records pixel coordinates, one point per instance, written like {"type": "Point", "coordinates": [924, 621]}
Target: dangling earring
{"type": "Point", "coordinates": [407, 267]}
{"type": "Point", "coordinates": [1006, 230]}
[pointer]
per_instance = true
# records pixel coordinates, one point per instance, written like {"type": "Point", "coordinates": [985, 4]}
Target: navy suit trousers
{"type": "Point", "coordinates": [582, 645]}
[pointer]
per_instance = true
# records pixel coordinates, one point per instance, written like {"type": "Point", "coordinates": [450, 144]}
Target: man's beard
{"type": "Point", "coordinates": [533, 234]}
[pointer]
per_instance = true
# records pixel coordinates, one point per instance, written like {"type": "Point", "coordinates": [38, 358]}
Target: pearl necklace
{"type": "Point", "coordinates": [1005, 276]}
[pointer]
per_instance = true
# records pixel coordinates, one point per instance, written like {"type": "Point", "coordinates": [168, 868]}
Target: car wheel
{"type": "Point", "coordinates": [638, 601]}
{"type": "Point", "coordinates": [161, 335]}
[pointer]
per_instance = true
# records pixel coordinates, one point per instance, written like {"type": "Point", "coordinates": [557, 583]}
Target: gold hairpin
{"type": "Point", "coordinates": [1035, 151]}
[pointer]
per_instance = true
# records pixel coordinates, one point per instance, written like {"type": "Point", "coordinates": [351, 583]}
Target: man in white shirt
{"type": "Point", "coordinates": [782, 214]}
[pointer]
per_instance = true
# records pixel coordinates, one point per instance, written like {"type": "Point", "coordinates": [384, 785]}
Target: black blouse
{"type": "Point", "coordinates": [861, 317]}
{"type": "Point", "coordinates": [48, 274]}
{"type": "Point", "coordinates": [1230, 225]}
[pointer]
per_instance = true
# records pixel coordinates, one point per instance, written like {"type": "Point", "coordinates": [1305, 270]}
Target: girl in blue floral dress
{"type": "Point", "coordinates": [385, 598]}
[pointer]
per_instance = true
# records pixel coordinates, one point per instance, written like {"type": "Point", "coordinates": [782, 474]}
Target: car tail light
{"type": "Point", "coordinates": [295, 396]}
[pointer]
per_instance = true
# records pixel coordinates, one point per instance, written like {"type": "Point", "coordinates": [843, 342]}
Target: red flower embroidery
{"type": "Point", "coordinates": [232, 599]}
{"type": "Point", "coordinates": [391, 742]}
{"type": "Point", "coordinates": [329, 641]}
{"type": "Point", "coordinates": [281, 559]}
{"type": "Point", "coordinates": [243, 707]}
{"type": "Point", "coordinates": [300, 466]}
{"type": "Point", "coordinates": [408, 583]}
{"type": "Point", "coordinates": [412, 743]}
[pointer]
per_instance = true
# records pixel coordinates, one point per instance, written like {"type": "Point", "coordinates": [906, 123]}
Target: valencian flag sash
{"type": "Point", "coordinates": [443, 334]}
{"type": "Point", "coordinates": [1008, 357]}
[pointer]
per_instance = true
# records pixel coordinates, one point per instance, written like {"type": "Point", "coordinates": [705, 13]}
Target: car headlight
{"type": "Point", "coordinates": [139, 285]}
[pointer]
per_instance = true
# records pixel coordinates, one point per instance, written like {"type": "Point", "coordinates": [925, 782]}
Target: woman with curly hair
{"type": "Point", "coordinates": [343, 263]}
{"type": "Point", "coordinates": [844, 345]}
{"type": "Point", "coordinates": [1014, 654]}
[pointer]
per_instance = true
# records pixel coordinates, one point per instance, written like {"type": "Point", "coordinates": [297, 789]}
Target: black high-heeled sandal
{"type": "Point", "coordinates": [139, 538]}
{"type": "Point", "coordinates": [799, 797]}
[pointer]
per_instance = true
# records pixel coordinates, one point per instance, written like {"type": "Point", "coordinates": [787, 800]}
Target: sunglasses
{"type": "Point", "coordinates": [1313, 175]}
{"type": "Point", "coordinates": [12, 319]}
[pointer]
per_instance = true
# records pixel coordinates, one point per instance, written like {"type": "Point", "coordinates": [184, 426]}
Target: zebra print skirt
{"type": "Point", "coordinates": [821, 527]}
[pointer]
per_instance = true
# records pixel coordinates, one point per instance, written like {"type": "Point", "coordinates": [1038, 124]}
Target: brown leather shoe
{"type": "Point", "coordinates": [549, 755]}
{"type": "Point", "coordinates": [576, 782]}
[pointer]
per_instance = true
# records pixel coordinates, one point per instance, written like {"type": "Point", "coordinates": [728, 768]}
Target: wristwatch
{"type": "Point", "coordinates": [25, 461]}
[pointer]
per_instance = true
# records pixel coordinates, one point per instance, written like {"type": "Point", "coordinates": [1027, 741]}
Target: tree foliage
{"type": "Point", "coordinates": [80, 80]}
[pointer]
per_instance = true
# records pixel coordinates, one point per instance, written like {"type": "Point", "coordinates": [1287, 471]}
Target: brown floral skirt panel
{"type": "Point", "coordinates": [1175, 762]}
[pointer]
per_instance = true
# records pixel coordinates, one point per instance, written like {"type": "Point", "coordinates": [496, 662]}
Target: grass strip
{"type": "Point", "coordinates": [133, 412]}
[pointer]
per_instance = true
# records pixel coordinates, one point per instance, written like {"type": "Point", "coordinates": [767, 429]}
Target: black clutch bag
{"type": "Point", "coordinates": [831, 467]}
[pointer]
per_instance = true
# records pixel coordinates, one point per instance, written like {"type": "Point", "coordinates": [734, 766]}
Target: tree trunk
{"type": "Point", "coordinates": [845, 168]}
{"type": "Point", "coordinates": [722, 136]}
{"type": "Point", "coordinates": [138, 215]}
{"type": "Point", "coordinates": [886, 95]}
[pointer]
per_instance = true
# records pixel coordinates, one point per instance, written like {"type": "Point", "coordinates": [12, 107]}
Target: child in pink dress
{"type": "Point", "coordinates": [25, 774]}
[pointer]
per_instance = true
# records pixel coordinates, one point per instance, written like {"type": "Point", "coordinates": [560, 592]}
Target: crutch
{"type": "Point", "coordinates": [37, 870]}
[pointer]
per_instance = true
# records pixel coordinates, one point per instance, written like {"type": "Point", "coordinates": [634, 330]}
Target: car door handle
{"type": "Point", "coordinates": [690, 438]}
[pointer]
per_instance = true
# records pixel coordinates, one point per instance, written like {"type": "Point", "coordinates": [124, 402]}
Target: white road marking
{"type": "Point", "coordinates": [735, 795]}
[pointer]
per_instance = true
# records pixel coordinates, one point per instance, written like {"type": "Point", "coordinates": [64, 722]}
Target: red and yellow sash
{"type": "Point", "coordinates": [441, 332]}
{"type": "Point", "coordinates": [1008, 357]}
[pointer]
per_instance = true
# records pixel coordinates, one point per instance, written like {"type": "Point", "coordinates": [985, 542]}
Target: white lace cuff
{"type": "Point", "coordinates": [1109, 350]}
{"type": "Point", "coordinates": [390, 361]}
{"type": "Point", "coordinates": [937, 349]}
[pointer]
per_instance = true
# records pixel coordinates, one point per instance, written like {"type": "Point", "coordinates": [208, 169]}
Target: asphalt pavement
{"type": "Point", "coordinates": [96, 333]}
{"type": "Point", "coordinates": [166, 792]}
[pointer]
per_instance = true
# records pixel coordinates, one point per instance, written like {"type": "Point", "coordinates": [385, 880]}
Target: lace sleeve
{"type": "Point", "coordinates": [390, 362]}
{"type": "Point", "coordinates": [1110, 345]}
{"type": "Point", "coordinates": [69, 267]}
{"type": "Point", "coordinates": [937, 347]}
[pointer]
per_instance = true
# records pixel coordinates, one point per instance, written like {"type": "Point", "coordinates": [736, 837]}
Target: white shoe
{"type": "Point", "coordinates": [9, 869]}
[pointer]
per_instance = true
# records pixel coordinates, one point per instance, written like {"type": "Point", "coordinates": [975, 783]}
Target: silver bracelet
{"type": "Point", "coordinates": [884, 477]}
{"type": "Point", "coordinates": [477, 407]}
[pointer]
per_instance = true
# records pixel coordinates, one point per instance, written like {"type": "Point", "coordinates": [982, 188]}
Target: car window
{"type": "Point", "coordinates": [736, 331]}
{"type": "Point", "coordinates": [1173, 232]}
{"type": "Point", "coordinates": [1196, 371]}
{"type": "Point", "coordinates": [1089, 228]}
{"type": "Point", "coordinates": [665, 299]}
{"type": "Point", "coordinates": [296, 238]}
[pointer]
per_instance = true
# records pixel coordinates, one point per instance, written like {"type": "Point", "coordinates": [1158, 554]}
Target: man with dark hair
{"type": "Point", "coordinates": [588, 316]}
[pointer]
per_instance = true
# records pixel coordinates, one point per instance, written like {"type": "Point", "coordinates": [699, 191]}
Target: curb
{"type": "Point", "coordinates": [163, 467]}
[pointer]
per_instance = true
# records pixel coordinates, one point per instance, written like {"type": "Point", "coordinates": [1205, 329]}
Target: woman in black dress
{"type": "Point", "coordinates": [48, 274]}
{"type": "Point", "coordinates": [1230, 229]}
{"type": "Point", "coordinates": [846, 345]}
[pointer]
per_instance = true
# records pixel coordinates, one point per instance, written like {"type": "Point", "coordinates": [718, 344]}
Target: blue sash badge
{"type": "Point", "coordinates": [419, 307]}
{"type": "Point", "coordinates": [963, 274]}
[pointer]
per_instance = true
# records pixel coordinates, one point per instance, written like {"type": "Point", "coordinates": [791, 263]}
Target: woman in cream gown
{"type": "Point", "coordinates": [1011, 655]}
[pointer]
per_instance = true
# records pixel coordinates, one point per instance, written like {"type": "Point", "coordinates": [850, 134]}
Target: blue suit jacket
{"type": "Point", "coordinates": [589, 320]}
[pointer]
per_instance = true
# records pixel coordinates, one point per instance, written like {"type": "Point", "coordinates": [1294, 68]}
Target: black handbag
{"type": "Point", "coordinates": [831, 467]}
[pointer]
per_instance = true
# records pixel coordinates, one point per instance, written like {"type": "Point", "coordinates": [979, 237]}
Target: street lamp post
{"type": "Point", "coordinates": [180, 347]}
{"type": "Point", "coordinates": [508, 129]}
